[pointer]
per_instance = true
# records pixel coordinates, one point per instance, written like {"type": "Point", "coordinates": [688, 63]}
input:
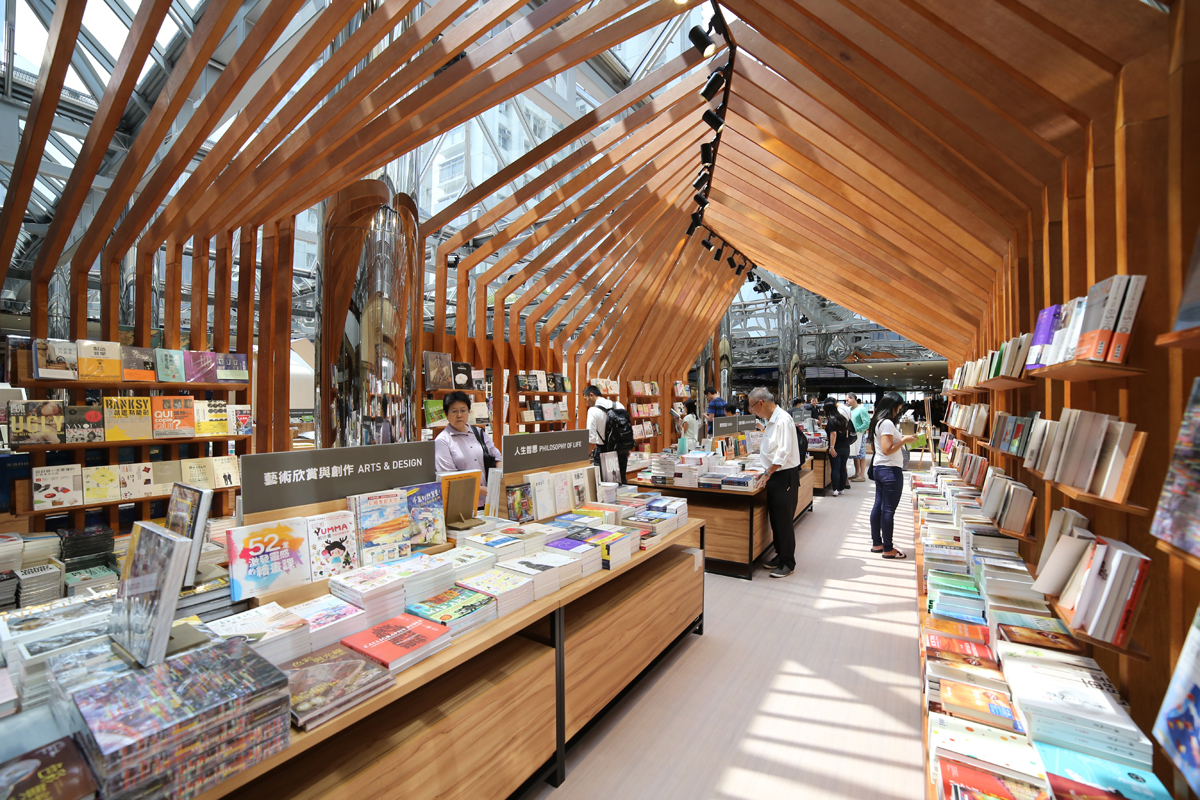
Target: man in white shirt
{"type": "Point", "coordinates": [597, 424]}
{"type": "Point", "coordinates": [780, 457]}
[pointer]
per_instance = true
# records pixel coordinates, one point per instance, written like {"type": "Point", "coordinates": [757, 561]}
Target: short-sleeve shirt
{"type": "Point", "coordinates": [716, 406]}
{"type": "Point", "coordinates": [896, 459]}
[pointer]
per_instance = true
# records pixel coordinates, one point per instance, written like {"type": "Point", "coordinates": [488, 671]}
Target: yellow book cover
{"type": "Point", "coordinates": [126, 418]}
{"type": "Point", "coordinates": [100, 361]}
{"type": "Point", "coordinates": [101, 485]}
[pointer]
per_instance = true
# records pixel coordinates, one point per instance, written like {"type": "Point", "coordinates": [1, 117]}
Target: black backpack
{"type": "Point", "coordinates": [618, 431]}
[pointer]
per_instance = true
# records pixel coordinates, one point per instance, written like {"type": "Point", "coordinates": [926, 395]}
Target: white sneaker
{"type": "Point", "coordinates": [835, 493]}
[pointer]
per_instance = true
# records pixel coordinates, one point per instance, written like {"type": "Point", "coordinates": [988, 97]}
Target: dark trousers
{"type": "Point", "coordinates": [889, 487]}
{"type": "Point", "coordinates": [838, 479]}
{"type": "Point", "coordinates": [781, 509]}
{"type": "Point", "coordinates": [622, 461]}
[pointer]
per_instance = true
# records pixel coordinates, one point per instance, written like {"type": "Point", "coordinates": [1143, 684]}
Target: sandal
{"type": "Point", "coordinates": [898, 555]}
{"type": "Point", "coordinates": [877, 549]}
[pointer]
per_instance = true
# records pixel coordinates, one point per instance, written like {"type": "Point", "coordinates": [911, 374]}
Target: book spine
{"type": "Point", "coordinates": [1102, 336]}
{"type": "Point", "coordinates": [1121, 637]}
{"type": "Point", "coordinates": [1120, 338]}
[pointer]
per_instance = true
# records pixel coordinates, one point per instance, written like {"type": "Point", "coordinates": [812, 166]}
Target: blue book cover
{"type": "Point", "coordinates": [1073, 774]}
{"type": "Point", "coordinates": [426, 515]}
{"type": "Point", "coordinates": [1177, 727]}
{"type": "Point", "coordinates": [169, 365]}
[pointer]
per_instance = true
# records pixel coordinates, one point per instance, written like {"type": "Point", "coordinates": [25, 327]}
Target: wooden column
{"type": "Point", "coordinates": [199, 307]}
{"type": "Point", "coordinates": [281, 352]}
{"type": "Point", "coordinates": [247, 263]}
{"type": "Point", "coordinates": [173, 296]}
{"type": "Point", "coordinates": [264, 399]}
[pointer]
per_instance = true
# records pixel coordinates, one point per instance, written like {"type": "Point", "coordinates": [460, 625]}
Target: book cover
{"type": "Point", "coordinates": [137, 480]}
{"type": "Point", "coordinates": [151, 578]}
{"type": "Point", "coordinates": [240, 421]}
{"type": "Point", "coordinates": [332, 677]}
{"type": "Point", "coordinates": [212, 417]}
{"type": "Point", "coordinates": [520, 503]}
{"type": "Point", "coordinates": [1177, 727]}
{"type": "Point", "coordinates": [37, 422]}
{"type": "Point", "coordinates": [966, 783]}
{"type": "Point", "coordinates": [435, 413]}
{"type": "Point", "coordinates": [1041, 638]}
{"type": "Point", "coordinates": [972, 743]}
{"type": "Point", "coordinates": [439, 371]}
{"type": "Point", "coordinates": [172, 417]}
{"type": "Point", "coordinates": [187, 516]}
{"type": "Point", "coordinates": [232, 368]}
{"type": "Point", "coordinates": [1177, 516]}
{"type": "Point", "coordinates": [461, 375]}
{"type": "Point", "coordinates": [199, 366]}
{"type": "Point", "coordinates": [84, 424]}
{"type": "Point", "coordinates": [137, 364]}
{"type": "Point", "coordinates": [56, 359]}
{"type": "Point", "coordinates": [169, 365]}
{"type": "Point", "coordinates": [56, 488]}
{"type": "Point", "coordinates": [199, 472]}
{"type": "Point", "coordinates": [163, 477]}
{"type": "Point", "coordinates": [395, 639]}
{"type": "Point", "coordinates": [478, 379]}
{"type": "Point", "coordinates": [98, 361]}
{"type": "Point", "coordinates": [383, 526]}
{"type": "Point", "coordinates": [56, 771]}
{"type": "Point", "coordinates": [101, 485]}
{"type": "Point", "coordinates": [226, 473]}
{"type": "Point", "coordinates": [427, 519]}
{"type": "Point", "coordinates": [981, 705]}
{"type": "Point", "coordinates": [1128, 315]}
{"type": "Point", "coordinates": [332, 544]}
{"type": "Point", "coordinates": [449, 606]}
{"type": "Point", "coordinates": [1099, 318]}
{"type": "Point", "coordinates": [268, 557]}
{"type": "Point", "coordinates": [1078, 775]}
{"type": "Point", "coordinates": [127, 419]}
{"type": "Point", "coordinates": [1188, 315]}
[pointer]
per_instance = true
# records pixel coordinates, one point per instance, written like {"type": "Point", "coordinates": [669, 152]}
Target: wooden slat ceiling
{"type": "Point", "coordinates": [888, 154]}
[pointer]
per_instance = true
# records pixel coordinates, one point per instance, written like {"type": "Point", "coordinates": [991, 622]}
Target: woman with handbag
{"type": "Point", "coordinates": [462, 446]}
{"type": "Point", "coordinates": [886, 470]}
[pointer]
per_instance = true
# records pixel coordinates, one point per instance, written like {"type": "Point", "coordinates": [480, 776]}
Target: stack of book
{"type": "Point", "coordinates": [500, 545]}
{"type": "Point", "coordinates": [330, 619]}
{"type": "Point", "coordinates": [90, 578]}
{"type": "Point", "coordinates": [460, 610]}
{"type": "Point", "coordinates": [532, 535]}
{"type": "Point", "coordinates": [8, 590]}
{"type": "Point", "coordinates": [181, 727]}
{"type": "Point", "coordinates": [399, 642]}
{"type": "Point", "coordinates": [662, 469]}
{"type": "Point", "coordinates": [208, 600]}
{"type": "Point", "coordinates": [27, 666]}
{"type": "Point", "coordinates": [55, 770]}
{"type": "Point", "coordinates": [543, 574]}
{"type": "Point", "coordinates": [510, 589]}
{"type": "Point", "coordinates": [216, 528]}
{"type": "Point", "coordinates": [8, 696]}
{"type": "Point", "coordinates": [11, 546]}
{"type": "Point", "coordinates": [328, 682]}
{"type": "Point", "coordinates": [616, 548]}
{"type": "Point", "coordinates": [424, 575]}
{"type": "Point", "coordinates": [379, 590]}
{"type": "Point", "coordinates": [38, 548]}
{"type": "Point", "coordinates": [588, 553]}
{"type": "Point", "coordinates": [38, 585]}
{"type": "Point", "coordinates": [1085, 450]}
{"type": "Point", "coordinates": [469, 561]}
{"type": "Point", "coordinates": [276, 633]}
{"type": "Point", "coordinates": [63, 617]}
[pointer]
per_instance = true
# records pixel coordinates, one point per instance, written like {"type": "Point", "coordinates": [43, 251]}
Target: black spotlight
{"type": "Point", "coordinates": [706, 154]}
{"type": "Point", "coordinates": [740, 268]}
{"type": "Point", "coordinates": [708, 245]}
{"type": "Point", "coordinates": [700, 181]}
{"type": "Point", "coordinates": [714, 120]}
{"type": "Point", "coordinates": [732, 263]}
{"type": "Point", "coordinates": [696, 220]}
{"type": "Point", "coordinates": [701, 200]}
{"type": "Point", "coordinates": [702, 41]}
{"type": "Point", "coordinates": [720, 250]}
{"type": "Point", "coordinates": [712, 86]}
{"type": "Point", "coordinates": [715, 24]}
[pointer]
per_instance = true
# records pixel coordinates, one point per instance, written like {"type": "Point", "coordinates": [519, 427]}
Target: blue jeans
{"type": "Point", "coordinates": [889, 487]}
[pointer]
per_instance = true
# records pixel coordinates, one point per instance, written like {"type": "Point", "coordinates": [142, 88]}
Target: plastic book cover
{"type": "Point", "coordinates": [1177, 516]}
{"type": "Point", "coordinates": [163, 477]}
{"type": "Point", "coordinates": [169, 365]}
{"type": "Point", "coordinates": [494, 582]}
{"type": "Point", "coordinates": [56, 771]}
{"type": "Point", "coordinates": [84, 424]}
{"type": "Point", "coordinates": [520, 502]}
{"type": "Point", "coordinates": [439, 371]}
{"type": "Point", "coordinates": [37, 422]}
{"type": "Point", "coordinates": [449, 606]}
{"type": "Point", "coordinates": [1177, 727]}
{"type": "Point", "coordinates": [395, 639]}
{"type": "Point", "coordinates": [232, 368]}
{"type": "Point", "coordinates": [268, 557]}
{"type": "Point", "coordinates": [325, 611]}
{"type": "Point", "coordinates": [383, 526]}
{"type": "Point", "coordinates": [332, 544]}
{"type": "Point", "coordinates": [137, 480]}
{"type": "Point", "coordinates": [127, 418]}
{"type": "Point", "coordinates": [199, 471]}
{"type": "Point", "coordinates": [101, 485]}
{"type": "Point", "coordinates": [151, 578]}
{"type": "Point", "coordinates": [1078, 775]}
{"type": "Point", "coordinates": [172, 417]}
{"type": "Point", "coordinates": [331, 677]}
{"type": "Point", "coordinates": [258, 625]}
{"type": "Point", "coordinates": [137, 364]}
{"type": "Point", "coordinates": [240, 420]}
{"type": "Point", "coordinates": [199, 366]}
{"type": "Point", "coordinates": [364, 580]}
{"type": "Point", "coordinates": [225, 472]}
{"type": "Point", "coordinates": [187, 515]}
{"type": "Point", "coordinates": [212, 417]}
{"type": "Point", "coordinates": [98, 361]}
{"type": "Point", "coordinates": [57, 488]}
{"type": "Point", "coordinates": [57, 359]}
{"type": "Point", "coordinates": [427, 520]}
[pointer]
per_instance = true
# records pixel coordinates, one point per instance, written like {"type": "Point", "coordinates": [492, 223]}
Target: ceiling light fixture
{"type": "Point", "coordinates": [714, 121]}
{"type": "Point", "coordinates": [707, 243]}
{"type": "Point", "coordinates": [697, 218]}
{"type": "Point", "coordinates": [712, 86]}
{"type": "Point", "coordinates": [701, 200]}
{"type": "Point", "coordinates": [720, 251]}
{"type": "Point", "coordinates": [702, 41]}
{"type": "Point", "coordinates": [700, 181]}
{"type": "Point", "coordinates": [706, 154]}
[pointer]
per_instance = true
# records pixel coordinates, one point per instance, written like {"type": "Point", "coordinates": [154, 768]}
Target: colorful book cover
{"type": "Point", "coordinates": [520, 503]}
{"type": "Point", "coordinates": [982, 705]}
{"type": "Point", "coordinates": [56, 771]}
{"type": "Point", "coordinates": [101, 485]}
{"type": "Point", "coordinates": [37, 422]}
{"type": "Point", "coordinates": [127, 419]}
{"type": "Point", "coordinates": [85, 424]}
{"type": "Point", "coordinates": [99, 360]}
{"type": "Point", "coordinates": [57, 359]}
{"type": "Point", "coordinates": [199, 472]}
{"type": "Point", "coordinates": [1078, 775]}
{"type": "Point", "coordinates": [172, 417]}
{"type": "Point", "coordinates": [268, 557]}
{"type": "Point", "coordinates": [137, 364]}
{"type": "Point", "coordinates": [1177, 517]}
{"type": "Point", "coordinates": [1177, 727]}
{"type": "Point", "coordinates": [332, 677]}
{"type": "Point", "coordinates": [435, 413]}
{"type": "Point", "coordinates": [395, 639]}
{"type": "Point", "coordinates": [199, 366]}
{"type": "Point", "coordinates": [212, 417]}
{"type": "Point", "coordinates": [233, 368]}
{"type": "Point", "coordinates": [226, 473]}
{"type": "Point", "coordinates": [494, 582]}
{"type": "Point", "coordinates": [1039, 638]}
{"type": "Point", "coordinates": [439, 371]}
{"type": "Point", "coordinates": [169, 365]}
{"type": "Point", "coordinates": [151, 578]}
{"type": "Point", "coordinates": [969, 741]}
{"type": "Point", "coordinates": [332, 544]}
{"type": "Point", "coordinates": [137, 480]}
{"type": "Point", "coordinates": [427, 520]}
{"type": "Point", "coordinates": [56, 488]}
{"type": "Point", "coordinates": [239, 420]}
{"type": "Point", "coordinates": [449, 606]}
{"type": "Point", "coordinates": [966, 783]}
{"type": "Point", "coordinates": [383, 526]}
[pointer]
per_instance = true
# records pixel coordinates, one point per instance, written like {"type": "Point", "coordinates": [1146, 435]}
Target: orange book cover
{"type": "Point", "coordinates": [172, 417]}
{"type": "Point", "coordinates": [956, 630]}
{"type": "Point", "coordinates": [934, 643]}
{"type": "Point", "coordinates": [979, 704]}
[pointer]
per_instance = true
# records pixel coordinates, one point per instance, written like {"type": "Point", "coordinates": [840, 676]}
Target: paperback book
{"type": "Point", "coordinates": [268, 557]}
{"type": "Point", "coordinates": [57, 488]}
{"type": "Point", "coordinates": [199, 472]}
{"type": "Point", "coordinates": [101, 485]}
{"type": "Point", "coordinates": [137, 364]}
{"type": "Point", "coordinates": [326, 683]}
{"type": "Point", "coordinates": [240, 420]}
{"type": "Point", "coordinates": [37, 422]}
{"type": "Point", "coordinates": [1177, 727]}
{"type": "Point", "coordinates": [137, 480]}
{"type": "Point", "coordinates": [56, 359]}
{"type": "Point", "coordinates": [187, 516]}
{"type": "Point", "coordinates": [399, 642]}
{"type": "Point", "coordinates": [232, 368]}
{"type": "Point", "coordinates": [127, 419]}
{"type": "Point", "coordinates": [439, 371]}
{"type": "Point", "coordinates": [169, 365]}
{"type": "Point", "coordinates": [99, 361]}
{"type": "Point", "coordinates": [383, 526]}
{"type": "Point", "coordinates": [1177, 516]}
{"type": "Point", "coordinates": [199, 366]}
{"type": "Point", "coordinates": [520, 502]}
{"type": "Point", "coordinates": [427, 520]}
{"type": "Point", "coordinates": [332, 544]}
{"type": "Point", "coordinates": [172, 417]}
{"type": "Point", "coordinates": [84, 424]}
{"type": "Point", "coordinates": [212, 417]}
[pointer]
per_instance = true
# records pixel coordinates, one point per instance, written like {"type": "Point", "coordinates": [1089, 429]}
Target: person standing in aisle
{"type": "Point", "coordinates": [887, 470]}
{"type": "Point", "coordinates": [609, 428]}
{"type": "Point", "coordinates": [461, 445]}
{"type": "Point", "coordinates": [691, 422]}
{"type": "Point", "coordinates": [781, 459]}
{"type": "Point", "coordinates": [716, 406]}
{"type": "Point", "coordinates": [837, 427]}
{"type": "Point", "coordinates": [861, 420]}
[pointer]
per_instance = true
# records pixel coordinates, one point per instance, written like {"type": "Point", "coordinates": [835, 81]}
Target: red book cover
{"type": "Point", "coordinates": [933, 642]}
{"type": "Point", "coordinates": [979, 785]}
{"type": "Point", "coordinates": [1121, 638]}
{"type": "Point", "coordinates": [397, 638]}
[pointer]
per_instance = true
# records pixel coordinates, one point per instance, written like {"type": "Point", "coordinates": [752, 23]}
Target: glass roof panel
{"type": "Point", "coordinates": [167, 32]}
{"type": "Point", "coordinates": [29, 43]}
{"type": "Point", "coordinates": [106, 27]}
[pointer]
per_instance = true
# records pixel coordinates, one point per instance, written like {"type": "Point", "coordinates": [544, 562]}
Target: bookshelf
{"type": "Point", "coordinates": [1004, 383]}
{"type": "Point", "coordinates": [1178, 552]}
{"type": "Point", "coordinates": [22, 500]}
{"type": "Point", "coordinates": [1187, 339]}
{"type": "Point", "coordinates": [1124, 485]}
{"type": "Point", "coordinates": [1132, 650]}
{"type": "Point", "coordinates": [1075, 371]}
{"type": "Point", "coordinates": [45, 448]}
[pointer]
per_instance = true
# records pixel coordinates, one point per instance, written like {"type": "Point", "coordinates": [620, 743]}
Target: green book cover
{"type": "Point", "coordinates": [434, 412]}
{"type": "Point", "coordinates": [169, 365]}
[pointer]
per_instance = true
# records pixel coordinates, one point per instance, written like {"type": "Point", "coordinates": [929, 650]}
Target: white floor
{"type": "Point", "coordinates": [803, 687]}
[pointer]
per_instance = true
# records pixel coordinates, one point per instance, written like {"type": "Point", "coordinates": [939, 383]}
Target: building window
{"type": "Point", "coordinates": [452, 168]}
{"type": "Point", "coordinates": [504, 138]}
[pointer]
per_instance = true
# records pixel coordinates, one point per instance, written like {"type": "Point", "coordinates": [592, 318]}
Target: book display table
{"type": "Point", "coordinates": [820, 468]}
{"type": "Point", "coordinates": [496, 710]}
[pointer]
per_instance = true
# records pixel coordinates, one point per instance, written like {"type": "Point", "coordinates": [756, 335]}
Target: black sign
{"type": "Point", "coordinates": [272, 481]}
{"type": "Point", "coordinates": [747, 422]}
{"type": "Point", "coordinates": [529, 452]}
{"type": "Point", "coordinates": [725, 426]}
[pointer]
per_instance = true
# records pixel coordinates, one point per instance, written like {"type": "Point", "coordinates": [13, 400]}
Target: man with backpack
{"type": "Point", "coordinates": [609, 428]}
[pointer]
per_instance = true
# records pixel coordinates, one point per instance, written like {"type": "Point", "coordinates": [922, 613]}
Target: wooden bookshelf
{"type": "Point", "coordinates": [46, 448]}
{"type": "Point", "coordinates": [1004, 383]}
{"type": "Point", "coordinates": [1096, 500]}
{"type": "Point", "coordinates": [1024, 535]}
{"type": "Point", "coordinates": [1188, 339]}
{"type": "Point", "coordinates": [1073, 371]}
{"type": "Point", "coordinates": [1132, 650]}
{"type": "Point", "coordinates": [22, 500]}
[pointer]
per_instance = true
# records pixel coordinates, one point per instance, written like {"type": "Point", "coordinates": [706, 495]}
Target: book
{"type": "Point", "coordinates": [172, 417]}
{"type": "Point", "coordinates": [187, 516]}
{"type": "Point", "coordinates": [985, 747]}
{"type": "Point", "coordinates": [1041, 638]}
{"type": "Point", "coordinates": [427, 520]}
{"type": "Point", "coordinates": [169, 365]}
{"type": "Point", "coordinates": [1176, 519]}
{"type": "Point", "coordinates": [199, 472]}
{"type": "Point", "coordinates": [56, 359]}
{"type": "Point", "coordinates": [1073, 774]}
{"type": "Point", "coordinates": [163, 477]}
{"type": "Point", "coordinates": [439, 371]}
{"type": "Point", "coordinates": [479, 380]}
{"type": "Point", "coordinates": [519, 503]}
{"type": "Point", "coordinates": [57, 488]}
{"type": "Point", "coordinates": [56, 771]}
{"type": "Point", "coordinates": [137, 364]}
{"type": "Point", "coordinates": [961, 781]}
{"type": "Point", "coordinates": [268, 557]}
{"type": "Point", "coordinates": [1188, 314]}
{"type": "Point", "coordinates": [151, 578]}
{"type": "Point", "coordinates": [383, 526]}
{"type": "Point", "coordinates": [98, 361]}
{"type": "Point", "coordinates": [137, 480]}
{"type": "Point", "coordinates": [101, 485]}
{"type": "Point", "coordinates": [127, 419]}
{"type": "Point", "coordinates": [226, 473]}
{"type": "Point", "coordinates": [199, 366]}
{"type": "Point", "coordinates": [1096, 330]}
{"type": "Point", "coordinates": [211, 417]}
{"type": "Point", "coordinates": [461, 375]}
{"type": "Point", "coordinates": [435, 413]}
{"type": "Point", "coordinates": [239, 420]}
{"type": "Point", "coordinates": [400, 641]}
{"type": "Point", "coordinates": [1128, 315]}
{"type": "Point", "coordinates": [332, 544]}
{"type": "Point", "coordinates": [84, 424]}
{"type": "Point", "coordinates": [37, 422]}
{"type": "Point", "coordinates": [1177, 726]}
{"type": "Point", "coordinates": [330, 681]}
{"type": "Point", "coordinates": [982, 705]}
{"type": "Point", "coordinates": [232, 368]}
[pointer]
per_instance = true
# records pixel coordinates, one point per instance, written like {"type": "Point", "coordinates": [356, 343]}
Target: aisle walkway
{"type": "Point", "coordinates": [804, 687]}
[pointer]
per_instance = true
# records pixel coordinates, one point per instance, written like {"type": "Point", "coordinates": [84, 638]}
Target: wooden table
{"type": "Point", "coordinates": [822, 475]}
